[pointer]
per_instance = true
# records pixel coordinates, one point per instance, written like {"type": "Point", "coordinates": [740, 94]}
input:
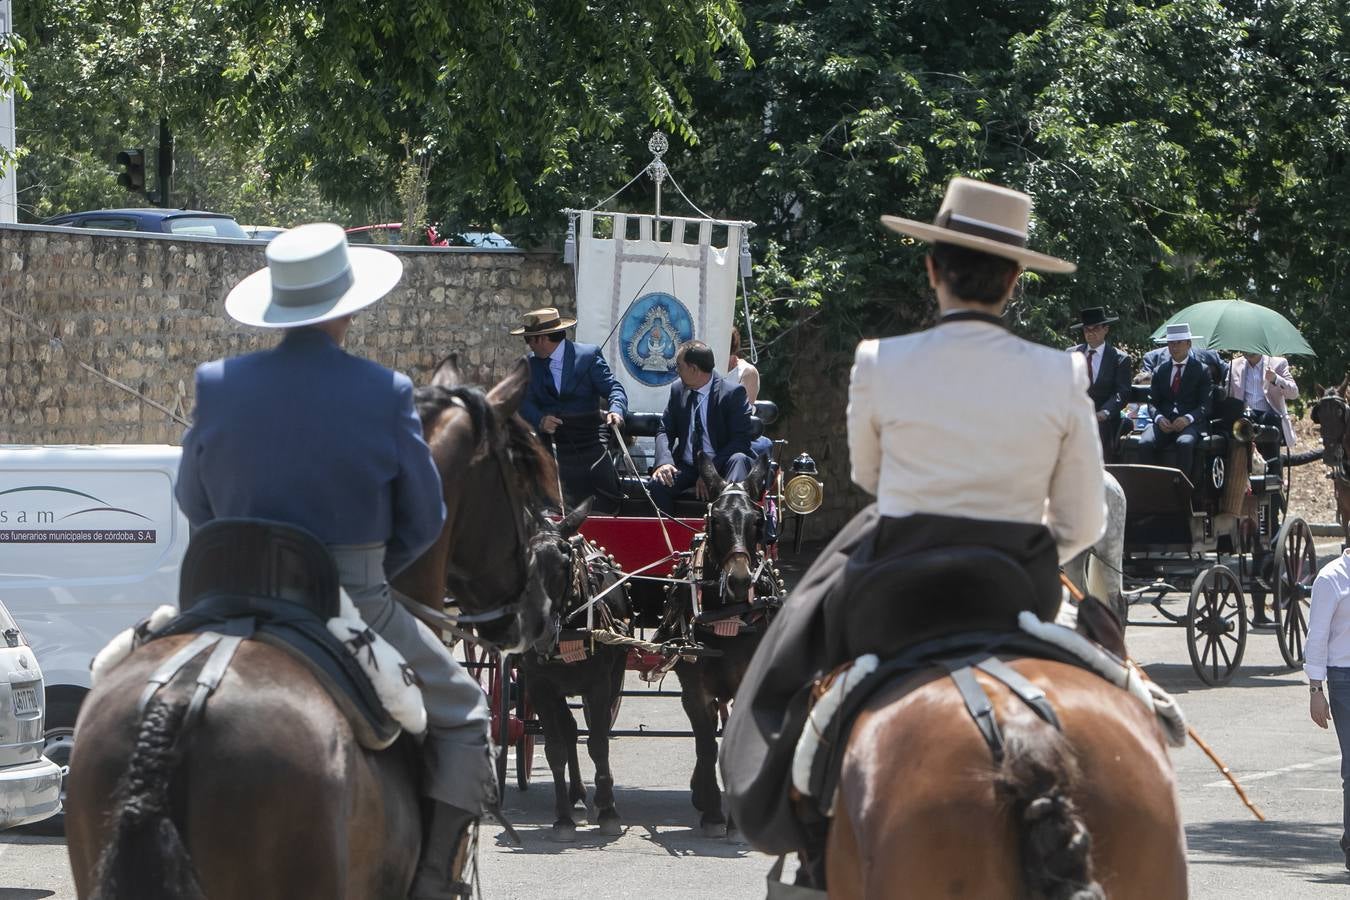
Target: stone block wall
{"type": "Point", "coordinates": [145, 310]}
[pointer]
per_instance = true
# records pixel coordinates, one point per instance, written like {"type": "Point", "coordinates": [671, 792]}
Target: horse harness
{"type": "Point", "coordinates": [1340, 469]}
{"type": "Point", "coordinates": [584, 580]}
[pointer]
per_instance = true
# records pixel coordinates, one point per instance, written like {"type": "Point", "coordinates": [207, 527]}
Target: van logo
{"type": "Point", "coordinates": [21, 522]}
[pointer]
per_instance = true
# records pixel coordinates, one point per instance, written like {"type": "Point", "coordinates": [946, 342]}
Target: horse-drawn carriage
{"type": "Point", "coordinates": [1220, 532]}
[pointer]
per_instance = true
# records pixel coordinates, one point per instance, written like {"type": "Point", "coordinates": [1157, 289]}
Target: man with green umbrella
{"type": "Point", "coordinates": [1264, 385]}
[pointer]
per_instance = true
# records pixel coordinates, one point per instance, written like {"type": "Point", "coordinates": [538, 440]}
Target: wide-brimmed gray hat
{"type": "Point", "coordinates": [1178, 331]}
{"type": "Point", "coordinates": [983, 217]}
{"type": "Point", "coordinates": [312, 276]}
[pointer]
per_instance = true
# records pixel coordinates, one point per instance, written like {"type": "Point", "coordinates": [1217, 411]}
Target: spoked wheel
{"type": "Point", "coordinates": [525, 745]}
{"type": "Point", "coordinates": [1216, 625]}
{"type": "Point", "coordinates": [1295, 570]}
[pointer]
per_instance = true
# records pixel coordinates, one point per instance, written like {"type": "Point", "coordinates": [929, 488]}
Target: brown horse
{"type": "Point", "coordinates": [269, 795]}
{"type": "Point", "coordinates": [1332, 415]}
{"type": "Point", "coordinates": [923, 810]}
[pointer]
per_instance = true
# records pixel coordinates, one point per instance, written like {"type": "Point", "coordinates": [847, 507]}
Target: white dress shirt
{"type": "Point", "coordinates": [1328, 642]}
{"type": "Point", "coordinates": [701, 406]}
{"type": "Point", "coordinates": [966, 419]}
{"type": "Point", "coordinates": [1253, 391]}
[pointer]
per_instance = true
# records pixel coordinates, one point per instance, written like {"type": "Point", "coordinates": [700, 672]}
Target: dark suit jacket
{"type": "Point", "coordinates": [1193, 397]}
{"type": "Point", "coordinates": [310, 435]}
{"type": "Point", "coordinates": [1218, 366]}
{"type": "Point", "coordinates": [729, 427]}
{"type": "Point", "coordinates": [1112, 383]}
{"type": "Point", "coordinates": [586, 383]}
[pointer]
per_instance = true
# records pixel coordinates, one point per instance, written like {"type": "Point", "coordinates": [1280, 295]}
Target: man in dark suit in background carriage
{"type": "Point", "coordinates": [1180, 393]}
{"type": "Point", "coordinates": [1108, 374]}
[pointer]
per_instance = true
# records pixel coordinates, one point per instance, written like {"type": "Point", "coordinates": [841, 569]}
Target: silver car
{"type": "Point", "coordinates": [30, 784]}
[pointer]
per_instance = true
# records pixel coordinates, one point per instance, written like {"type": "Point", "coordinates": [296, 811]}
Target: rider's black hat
{"type": "Point", "coordinates": [1093, 315]}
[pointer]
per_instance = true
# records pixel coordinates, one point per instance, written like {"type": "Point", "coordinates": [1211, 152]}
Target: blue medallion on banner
{"type": "Point", "coordinates": [651, 332]}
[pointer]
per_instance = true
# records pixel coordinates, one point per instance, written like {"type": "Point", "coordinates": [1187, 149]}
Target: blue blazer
{"type": "Point", "coordinates": [310, 435]}
{"type": "Point", "coordinates": [1193, 397]}
{"type": "Point", "coordinates": [729, 427]}
{"type": "Point", "coordinates": [586, 383]}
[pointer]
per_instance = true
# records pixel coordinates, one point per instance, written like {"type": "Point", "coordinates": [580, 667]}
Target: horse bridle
{"type": "Point", "coordinates": [1342, 449]}
{"type": "Point", "coordinates": [524, 540]}
{"type": "Point", "coordinates": [755, 564]}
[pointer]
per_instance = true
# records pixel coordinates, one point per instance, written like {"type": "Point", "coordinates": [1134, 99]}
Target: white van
{"type": "Point", "coordinates": [91, 541]}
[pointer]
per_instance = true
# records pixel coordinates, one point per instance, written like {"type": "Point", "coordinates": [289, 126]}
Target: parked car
{"type": "Point", "coordinates": [183, 222]}
{"type": "Point", "coordinates": [30, 783]}
{"type": "Point", "coordinates": [263, 232]}
{"type": "Point", "coordinates": [392, 233]}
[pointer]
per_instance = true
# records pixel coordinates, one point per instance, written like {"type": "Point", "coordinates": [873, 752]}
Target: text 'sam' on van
{"type": "Point", "coordinates": [91, 541]}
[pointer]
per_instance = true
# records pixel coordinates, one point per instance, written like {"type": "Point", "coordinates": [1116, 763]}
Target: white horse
{"type": "Point", "coordinates": [1097, 570]}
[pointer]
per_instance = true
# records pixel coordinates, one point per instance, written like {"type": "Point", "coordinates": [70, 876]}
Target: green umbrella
{"type": "Point", "coordinates": [1242, 326]}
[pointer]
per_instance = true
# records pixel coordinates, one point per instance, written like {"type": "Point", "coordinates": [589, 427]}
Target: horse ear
{"type": "Point", "coordinates": [506, 394]}
{"type": "Point", "coordinates": [447, 374]}
{"type": "Point", "coordinates": [711, 480]}
{"type": "Point", "coordinates": [571, 524]}
{"type": "Point", "coordinates": [754, 482]}
{"type": "Point", "coordinates": [1316, 414]}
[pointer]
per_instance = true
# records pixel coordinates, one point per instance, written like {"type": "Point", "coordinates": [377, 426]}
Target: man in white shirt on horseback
{"type": "Point", "coordinates": [949, 467]}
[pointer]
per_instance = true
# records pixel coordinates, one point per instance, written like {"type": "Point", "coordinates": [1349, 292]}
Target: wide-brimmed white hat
{"type": "Point", "coordinates": [312, 276]}
{"type": "Point", "coordinates": [1178, 332]}
{"type": "Point", "coordinates": [983, 217]}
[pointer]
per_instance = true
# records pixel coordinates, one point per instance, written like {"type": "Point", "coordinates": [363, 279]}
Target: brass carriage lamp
{"type": "Point", "coordinates": [803, 493]}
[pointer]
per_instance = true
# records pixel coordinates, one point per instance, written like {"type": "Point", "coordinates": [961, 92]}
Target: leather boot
{"type": "Point", "coordinates": [441, 871]}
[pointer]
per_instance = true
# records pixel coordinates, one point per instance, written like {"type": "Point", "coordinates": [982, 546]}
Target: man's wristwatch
{"type": "Point", "coordinates": [1315, 687]}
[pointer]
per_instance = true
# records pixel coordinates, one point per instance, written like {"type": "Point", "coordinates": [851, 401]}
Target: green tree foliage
{"type": "Point", "coordinates": [321, 93]}
{"type": "Point", "coordinates": [1178, 151]}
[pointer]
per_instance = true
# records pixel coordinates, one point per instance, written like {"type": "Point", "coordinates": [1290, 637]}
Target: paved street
{"type": "Point", "coordinates": [1258, 724]}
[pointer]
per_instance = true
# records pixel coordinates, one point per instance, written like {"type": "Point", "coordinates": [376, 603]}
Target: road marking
{"type": "Point", "coordinates": [1258, 776]}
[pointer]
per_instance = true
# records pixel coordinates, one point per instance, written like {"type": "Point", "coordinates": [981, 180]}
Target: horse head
{"type": "Point", "coordinates": [557, 552]}
{"type": "Point", "coordinates": [496, 480]}
{"type": "Point", "coordinates": [1331, 413]}
{"type": "Point", "coordinates": [735, 529]}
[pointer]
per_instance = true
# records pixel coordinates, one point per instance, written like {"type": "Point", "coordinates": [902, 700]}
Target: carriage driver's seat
{"type": "Point", "coordinates": [904, 600]}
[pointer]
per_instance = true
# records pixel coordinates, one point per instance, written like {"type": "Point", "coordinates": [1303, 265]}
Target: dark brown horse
{"type": "Point", "coordinates": [737, 596]}
{"type": "Point", "coordinates": [579, 574]}
{"type": "Point", "coordinates": [269, 796]}
{"type": "Point", "coordinates": [922, 810]}
{"type": "Point", "coordinates": [1332, 415]}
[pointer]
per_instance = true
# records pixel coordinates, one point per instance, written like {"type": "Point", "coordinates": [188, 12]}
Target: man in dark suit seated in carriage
{"type": "Point", "coordinates": [1108, 374]}
{"type": "Point", "coordinates": [705, 415]}
{"type": "Point", "coordinates": [1180, 394]}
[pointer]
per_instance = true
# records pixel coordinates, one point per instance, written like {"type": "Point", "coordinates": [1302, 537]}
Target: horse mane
{"type": "Point", "coordinates": [534, 466]}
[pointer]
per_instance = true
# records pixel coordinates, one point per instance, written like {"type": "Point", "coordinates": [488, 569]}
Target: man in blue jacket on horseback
{"type": "Point", "coordinates": [310, 435]}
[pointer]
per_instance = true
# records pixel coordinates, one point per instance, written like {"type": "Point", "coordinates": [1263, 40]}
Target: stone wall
{"type": "Point", "coordinates": [145, 310]}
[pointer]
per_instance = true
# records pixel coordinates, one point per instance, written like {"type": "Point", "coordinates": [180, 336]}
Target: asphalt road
{"type": "Point", "coordinates": [1258, 724]}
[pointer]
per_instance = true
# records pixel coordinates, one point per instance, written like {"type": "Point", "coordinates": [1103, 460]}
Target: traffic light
{"type": "Point", "coordinates": [133, 170]}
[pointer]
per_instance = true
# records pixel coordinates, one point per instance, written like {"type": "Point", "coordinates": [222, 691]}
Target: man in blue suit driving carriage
{"type": "Point", "coordinates": [310, 435]}
{"type": "Point", "coordinates": [572, 395]}
{"type": "Point", "coordinates": [705, 416]}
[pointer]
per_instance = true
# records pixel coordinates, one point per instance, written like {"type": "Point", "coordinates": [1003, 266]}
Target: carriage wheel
{"type": "Point", "coordinates": [1295, 570]}
{"type": "Point", "coordinates": [1216, 625]}
{"type": "Point", "coordinates": [524, 746]}
{"type": "Point", "coordinates": [499, 696]}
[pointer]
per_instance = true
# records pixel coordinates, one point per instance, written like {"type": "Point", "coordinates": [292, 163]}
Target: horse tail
{"type": "Point", "coordinates": [146, 858]}
{"type": "Point", "coordinates": [1037, 774]}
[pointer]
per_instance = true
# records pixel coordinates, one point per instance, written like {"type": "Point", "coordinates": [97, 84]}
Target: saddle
{"type": "Point", "coordinates": [260, 580]}
{"type": "Point", "coordinates": [905, 600]}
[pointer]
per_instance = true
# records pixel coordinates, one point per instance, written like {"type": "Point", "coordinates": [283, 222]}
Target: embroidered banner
{"type": "Point", "coordinates": [645, 286]}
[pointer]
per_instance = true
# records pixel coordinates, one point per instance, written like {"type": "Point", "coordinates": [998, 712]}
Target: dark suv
{"type": "Point", "coordinates": [182, 222]}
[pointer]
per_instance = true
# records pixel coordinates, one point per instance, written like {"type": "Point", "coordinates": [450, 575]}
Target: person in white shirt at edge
{"type": "Point", "coordinates": [942, 447]}
{"type": "Point", "coordinates": [742, 372]}
{"type": "Point", "coordinates": [952, 464]}
{"type": "Point", "coordinates": [1327, 663]}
